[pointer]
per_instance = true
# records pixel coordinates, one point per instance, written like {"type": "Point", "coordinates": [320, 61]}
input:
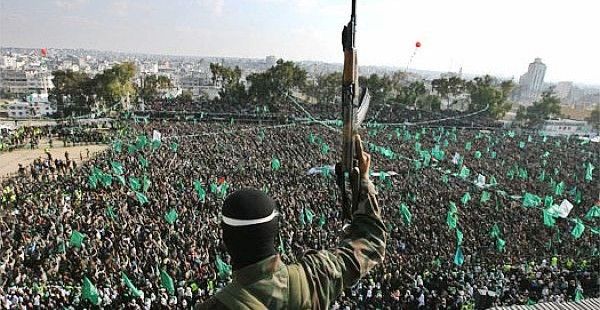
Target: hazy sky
{"type": "Point", "coordinates": [483, 36]}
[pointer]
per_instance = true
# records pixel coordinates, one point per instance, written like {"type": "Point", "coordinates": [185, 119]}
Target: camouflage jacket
{"type": "Point", "coordinates": [319, 277]}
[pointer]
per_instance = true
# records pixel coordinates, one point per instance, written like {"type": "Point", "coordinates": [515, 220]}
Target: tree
{"type": "Point", "coordinates": [115, 84]}
{"type": "Point", "coordinates": [326, 88]}
{"type": "Point", "coordinates": [408, 95]}
{"type": "Point", "coordinates": [487, 92]}
{"type": "Point", "coordinates": [547, 106]}
{"type": "Point", "coordinates": [185, 97]}
{"type": "Point", "coordinates": [271, 86]}
{"type": "Point", "coordinates": [429, 102]}
{"type": "Point", "coordinates": [151, 85]}
{"type": "Point", "coordinates": [73, 92]}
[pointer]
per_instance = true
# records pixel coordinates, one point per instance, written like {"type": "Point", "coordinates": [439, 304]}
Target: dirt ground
{"type": "Point", "coordinates": [9, 161]}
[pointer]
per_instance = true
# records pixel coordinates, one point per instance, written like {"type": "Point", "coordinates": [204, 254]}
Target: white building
{"type": "Point", "coordinates": [19, 83]}
{"type": "Point", "coordinates": [566, 127]}
{"type": "Point", "coordinates": [563, 90]}
{"type": "Point", "coordinates": [36, 105]}
{"type": "Point", "coordinates": [531, 83]}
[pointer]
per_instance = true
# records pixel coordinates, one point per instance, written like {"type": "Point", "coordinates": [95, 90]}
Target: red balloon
{"type": "Point", "coordinates": [44, 52]}
{"type": "Point", "coordinates": [418, 44]}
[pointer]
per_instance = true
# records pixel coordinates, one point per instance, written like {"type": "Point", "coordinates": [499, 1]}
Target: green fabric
{"type": "Point", "coordinates": [589, 168]}
{"type": "Point", "coordinates": [578, 295]}
{"type": "Point", "coordinates": [141, 198]}
{"type": "Point", "coordinates": [464, 172]}
{"type": "Point", "coordinates": [495, 232]}
{"type": "Point", "coordinates": [174, 147]}
{"type": "Point", "coordinates": [134, 183]}
{"type": "Point", "coordinates": [117, 146]}
{"type": "Point", "coordinates": [76, 239]}
{"type": "Point", "coordinates": [593, 212]}
{"type": "Point", "coordinates": [110, 212]}
{"type": "Point", "coordinates": [155, 145]}
{"type": "Point", "coordinates": [468, 146]}
{"type": "Point", "coordinates": [133, 291]}
{"type": "Point", "coordinates": [559, 189]}
{"type": "Point", "coordinates": [477, 155]}
{"type": "Point", "coordinates": [578, 229]}
{"type": "Point", "coordinates": [531, 200]}
{"type": "Point", "coordinates": [459, 237]}
{"type": "Point", "coordinates": [141, 142]}
{"type": "Point", "coordinates": [453, 208]}
{"type": "Point", "coordinates": [223, 269]}
{"type": "Point", "coordinates": [485, 196]}
{"type": "Point", "coordinates": [465, 198]}
{"type": "Point", "coordinates": [171, 216]}
{"type": "Point", "coordinates": [406, 215]}
{"type": "Point", "coordinates": [275, 164]}
{"type": "Point", "coordinates": [89, 292]}
{"type": "Point", "coordinates": [143, 161]}
{"type": "Point", "coordinates": [451, 220]}
{"type": "Point", "coordinates": [548, 201]}
{"type": "Point", "coordinates": [324, 149]}
{"type": "Point", "coordinates": [145, 183]}
{"type": "Point", "coordinates": [167, 282]}
{"type": "Point", "coordinates": [117, 167]}
{"type": "Point", "coordinates": [500, 243]}
{"type": "Point", "coordinates": [309, 215]}
{"type": "Point", "coordinates": [322, 220]}
{"type": "Point", "coordinates": [459, 258]}
{"type": "Point", "coordinates": [549, 219]}
{"type": "Point", "coordinates": [199, 190]}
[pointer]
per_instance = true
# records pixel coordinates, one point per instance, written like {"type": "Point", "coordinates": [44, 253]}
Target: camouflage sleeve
{"type": "Point", "coordinates": [329, 272]}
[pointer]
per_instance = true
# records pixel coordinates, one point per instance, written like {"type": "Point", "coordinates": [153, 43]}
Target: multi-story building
{"type": "Point", "coordinates": [563, 90]}
{"type": "Point", "coordinates": [531, 83]}
{"type": "Point", "coordinates": [19, 83]}
{"type": "Point", "coordinates": [36, 105]}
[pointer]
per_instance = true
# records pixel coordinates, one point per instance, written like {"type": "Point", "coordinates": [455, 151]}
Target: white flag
{"type": "Point", "coordinates": [156, 135]}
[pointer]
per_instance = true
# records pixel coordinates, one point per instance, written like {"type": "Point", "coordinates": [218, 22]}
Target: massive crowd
{"type": "Point", "coordinates": [120, 199]}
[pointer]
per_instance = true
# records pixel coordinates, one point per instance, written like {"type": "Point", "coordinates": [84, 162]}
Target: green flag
{"type": "Point", "coordinates": [145, 183]}
{"type": "Point", "coordinates": [464, 172]}
{"type": "Point", "coordinates": [155, 145]}
{"type": "Point", "coordinates": [589, 168]}
{"type": "Point", "coordinates": [322, 220]}
{"type": "Point", "coordinates": [459, 258]}
{"type": "Point", "coordinates": [493, 181]}
{"type": "Point", "coordinates": [459, 237]}
{"type": "Point", "coordinates": [311, 138]}
{"type": "Point", "coordinates": [117, 146]}
{"type": "Point", "coordinates": [406, 215]}
{"type": "Point", "coordinates": [106, 180]}
{"type": "Point", "coordinates": [453, 208]}
{"type": "Point", "coordinates": [593, 212]}
{"type": "Point", "coordinates": [468, 146]}
{"type": "Point", "coordinates": [117, 167]}
{"type": "Point", "coordinates": [559, 189]}
{"type": "Point", "coordinates": [523, 175]}
{"type": "Point", "coordinates": [89, 292]}
{"type": "Point", "coordinates": [500, 243]}
{"type": "Point", "coordinates": [167, 282]}
{"type": "Point", "coordinates": [223, 269]}
{"type": "Point", "coordinates": [445, 178]}
{"type": "Point", "coordinates": [324, 149]}
{"type": "Point", "coordinates": [121, 179]}
{"type": "Point", "coordinates": [548, 201]}
{"type": "Point", "coordinates": [578, 229]}
{"type": "Point", "coordinates": [174, 146]}
{"type": "Point", "coordinates": [485, 196]}
{"type": "Point", "coordinates": [465, 198]}
{"type": "Point", "coordinates": [143, 162]}
{"type": "Point", "coordinates": [133, 291]}
{"type": "Point", "coordinates": [495, 232]}
{"type": "Point", "coordinates": [92, 181]}
{"type": "Point", "coordinates": [437, 153]}
{"type": "Point", "coordinates": [76, 239]}
{"type": "Point", "coordinates": [171, 216]}
{"type": "Point", "coordinates": [275, 164]}
{"type": "Point", "coordinates": [110, 212]}
{"type": "Point", "coordinates": [131, 149]}
{"type": "Point", "coordinates": [521, 145]}
{"type": "Point", "coordinates": [548, 218]}
{"type": "Point", "coordinates": [578, 294]}
{"type": "Point", "coordinates": [309, 214]}
{"type": "Point", "coordinates": [531, 200]}
{"type": "Point", "coordinates": [141, 198]}
{"type": "Point", "coordinates": [199, 190]}
{"type": "Point", "coordinates": [451, 219]}
{"type": "Point", "coordinates": [134, 183]}
{"type": "Point", "coordinates": [141, 142]}
{"type": "Point", "coordinates": [477, 154]}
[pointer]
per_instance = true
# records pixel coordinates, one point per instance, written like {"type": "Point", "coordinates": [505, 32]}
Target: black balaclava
{"type": "Point", "coordinates": [249, 243]}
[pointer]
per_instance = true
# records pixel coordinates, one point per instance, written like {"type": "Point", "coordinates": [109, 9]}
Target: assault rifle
{"type": "Point", "coordinates": [355, 103]}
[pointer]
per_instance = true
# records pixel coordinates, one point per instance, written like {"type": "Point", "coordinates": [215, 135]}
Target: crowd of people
{"type": "Point", "coordinates": [123, 200]}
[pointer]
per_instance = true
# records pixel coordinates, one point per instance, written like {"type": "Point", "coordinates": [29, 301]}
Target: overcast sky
{"type": "Point", "coordinates": [499, 37]}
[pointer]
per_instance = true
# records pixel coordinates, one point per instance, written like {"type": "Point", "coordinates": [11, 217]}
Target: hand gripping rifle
{"type": "Point", "coordinates": [355, 104]}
